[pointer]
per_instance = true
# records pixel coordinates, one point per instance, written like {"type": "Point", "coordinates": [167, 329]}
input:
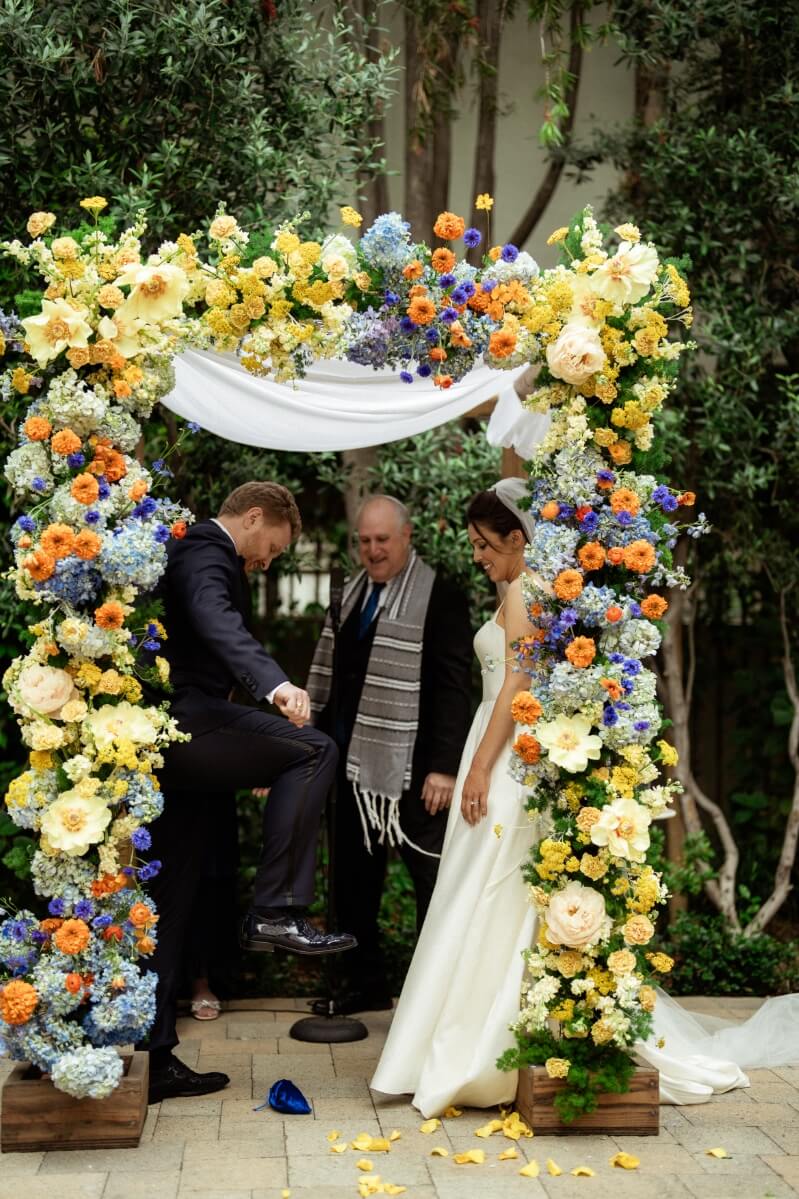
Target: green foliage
{"type": "Point", "coordinates": [174, 107]}
{"type": "Point", "coordinates": [712, 959]}
{"type": "Point", "coordinates": [591, 1072]}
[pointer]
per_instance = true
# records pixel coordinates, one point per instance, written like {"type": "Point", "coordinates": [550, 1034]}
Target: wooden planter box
{"type": "Point", "coordinates": [635, 1113]}
{"type": "Point", "coordinates": [36, 1116]}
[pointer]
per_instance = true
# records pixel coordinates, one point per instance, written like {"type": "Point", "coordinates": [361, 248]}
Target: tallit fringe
{"type": "Point", "coordinates": [381, 813]}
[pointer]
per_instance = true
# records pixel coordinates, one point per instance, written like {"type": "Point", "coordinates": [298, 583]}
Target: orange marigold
{"type": "Point", "coordinates": [72, 937]}
{"type": "Point", "coordinates": [73, 983]}
{"type": "Point", "coordinates": [414, 270]}
{"type": "Point", "coordinates": [458, 336]}
{"type": "Point", "coordinates": [479, 301]}
{"type": "Point", "coordinates": [50, 925]}
{"type": "Point", "coordinates": [443, 260]}
{"type": "Point", "coordinates": [615, 555]}
{"type": "Point", "coordinates": [179, 529]}
{"type": "Point", "coordinates": [613, 688]}
{"type": "Point", "coordinates": [687, 499]}
{"type": "Point", "coordinates": [654, 606]}
{"type": "Point", "coordinates": [448, 226]}
{"type": "Point", "coordinates": [37, 428]}
{"type": "Point", "coordinates": [39, 565]}
{"type": "Point", "coordinates": [418, 290]}
{"type": "Point", "coordinates": [550, 509]}
{"type": "Point", "coordinates": [581, 651]}
{"type": "Point", "coordinates": [146, 945]}
{"type": "Point", "coordinates": [85, 489]}
{"type": "Point", "coordinates": [502, 343]}
{"type": "Point", "coordinates": [528, 748]}
{"type": "Point", "coordinates": [122, 389]}
{"type": "Point", "coordinates": [443, 381]}
{"type": "Point", "coordinates": [138, 491]}
{"type": "Point", "coordinates": [621, 452]}
{"type": "Point", "coordinates": [87, 545]}
{"type": "Point", "coordinates": [110, 615]}
{"type": "Point", "coordinates": [525, 708]}
{"type": "Point", "coordinates": [421, 310]}
{"type": "Point", "coordinates": [58, 541]}
{"type": "Point", "coordinates": [624, 500]}
{"type": "Point", "coordinates": [141, 916]}
{"type": "Point", "coordinates": [109, 462]}
{"type": "Point", "coordinates": [591, 556]}
{"type": "Point", "coordinates": [18, 1002]}
{"type": "Point", "coordinates": [65, 442]}
{"type": "Point", "coordinates": [568, 584]}
{"type": "Point", "coordinates": [639, 556]}
{"type": "Point", "coordinates": [438, 354]}
{"type": "Point", "coordinates": [613, 614]}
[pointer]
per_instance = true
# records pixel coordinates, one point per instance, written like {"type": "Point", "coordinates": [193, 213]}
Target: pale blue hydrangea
{"type": "Point", "coordinates": [76, 582]}
{"type": "Point", "coordinates": [634, 638]}
{"type": "Point", "coordinates": [29, 795]}
{"type": "Point", "coordinates": [572, 688]}
{"type": "Point", "coordinates": [611, 533]}
{"type": "Point", "coordinates": [592, 603]}
{"type": "Point", "coordinates": [386, 242]}
{"type": "Point", "coordinates": [629, 730]}
{"type": "Point", "coordinates": [142, 799]}
{"type": "Point", "coordinates": [49, 978]}
{"type": "Point", "coordinates": [131, 556]}
{"type": "Point", "coordinates": [121, 1016]}
{"type": "Point", "coordinates": [69, 878]}
{"type": "Point", "coordinates": [121, 429]}
{"type": "Point", "coordinates": [71, 404]}
{"type": "Point", "coordinates": [524, 268]}
{"type": "Point", "coordinates": [93, 642]}
{"type": "Point", "coordinates": [552, 549]}
{"type": "Point", "coordinates": [88, 1073]}
{"type": "Point", "coordinates": [42, 1040]}
{"type": "Point", "coordinates": [28, 470]}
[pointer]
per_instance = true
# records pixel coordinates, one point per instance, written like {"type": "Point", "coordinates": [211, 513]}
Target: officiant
{"type": "Point", "coordinates": [400, 719]}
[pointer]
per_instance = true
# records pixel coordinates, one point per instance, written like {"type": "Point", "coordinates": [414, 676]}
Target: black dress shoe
{"type": "Point", "coordinates": [352, 1001]}
{"type": "Point", "coordinates": [292, 932]}
{"type": "Point", "coordinates": [176, 1080]}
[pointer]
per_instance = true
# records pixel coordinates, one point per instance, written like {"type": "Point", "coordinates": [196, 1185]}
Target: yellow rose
{"type": "Point", "coordinates": [638, 930]}
{"type": "Point", "coordinates": [66, 248]}
{"type": "Point", "coordinates": [264, 268]}
{"type": "Point", "coordinates": [557, 1067]}
{"type": "Point", "coordinates": [40, 222]}
{"type": "Point", "coordinates": [621, 962]}
{"type": "Point", "coordinates": [223, 226]}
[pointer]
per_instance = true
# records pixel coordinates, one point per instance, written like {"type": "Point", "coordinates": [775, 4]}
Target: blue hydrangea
{"type": "Point", "coordinates": [75, 581]}
{"type": "Point", "coordinates": [552, 549]}
{"type": "Point", "coordinates": [142, 799]}
{"type": "Point", "coordinates": [88, 1072]}
{"type": "Point", "coordinates": [386, 243]}
{"type": "Point", "coordinates": [132, 555]}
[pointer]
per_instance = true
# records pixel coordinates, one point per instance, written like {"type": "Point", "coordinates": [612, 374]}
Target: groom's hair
{"type": "Point", "coordinates": [275, 501]}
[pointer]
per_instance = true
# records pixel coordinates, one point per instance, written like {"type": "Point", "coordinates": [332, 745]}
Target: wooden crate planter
{"type": "Point", "coordinates": [36, 1116]}
{"type": "Point", "coordinates": [635, 1113]}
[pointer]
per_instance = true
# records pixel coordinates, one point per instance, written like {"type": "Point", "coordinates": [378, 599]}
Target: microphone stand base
{"type": "Point", "coordinates": [328, 1030]}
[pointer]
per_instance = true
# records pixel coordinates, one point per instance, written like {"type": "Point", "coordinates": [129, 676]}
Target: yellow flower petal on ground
{"type": "Point", "coordinates": [488, 1130]}
{"type": "Point", "coordinates": [508, 1155]}
{"type": "Point", "coordinates": [391, 1188]}
{"type": "Point", "coordinates": [370, 1184]}
{"type": "Point", "coordinates": [429, 1126]}
{"type": "Point", "coordinates": [719, 1152]}
{"type": "Point", "coordinates": [394, 1135]}
{"type": "Point", "coordinates": [452, 1113]}
{"type": "Point", "coordinates": [531, 1170]}
{"type": "Point", "coordinates": [625, 1161]}
{"type": "Point", "coordinates": [364, 1143]}
{"type": "Point", "coordinates": [474, 1156]}
{"type": "Point", "coordinates": [583, 1172]}
{"type": "Point", "coordinates": [439, 1152]}
{"type": "Point", "coordinates": [339, 1148]}
{"type": "Point", "coordinates": [497, 830]}
{"type": "Point", "coordinates": [363, 1163]}
{"type": "Point", "coordinates": [285, 1194]}
{"type": "Point", "coordinates": [553, 1168]}
{"type": "Point", "coordinates": [514, 1127]}
{"type": "Point", "coordinates": [333, 1135]}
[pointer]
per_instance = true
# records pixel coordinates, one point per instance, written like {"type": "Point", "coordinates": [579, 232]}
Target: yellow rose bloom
{"type": "Point", "coordinates": [557, 1067]}
{"type": "Point", "coordinates": [40, 222]}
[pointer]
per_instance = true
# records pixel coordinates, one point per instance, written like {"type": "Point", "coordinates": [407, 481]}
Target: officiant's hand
{"type": "Point", "coordinates": [437, 792]}
{"type": "Point", "coordinates": [474, 800]}
{"type": "Point", "coordinates": [294, 703]}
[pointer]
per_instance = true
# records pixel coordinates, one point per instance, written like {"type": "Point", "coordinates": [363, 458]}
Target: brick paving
{"type": "Point", "coordinates": [220, 1148]}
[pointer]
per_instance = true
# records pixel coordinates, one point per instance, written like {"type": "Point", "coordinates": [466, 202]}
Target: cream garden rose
{"type": "Point", "coordinates": [113, 722]}
{"type": "Point", "coordinates": [576, 916]}
{"type": "Point", "coordinates": [74, 822]}
{"type": "Point", "coordinates": [576, 354]}
{"type": "Point", "coordinates": [45, 689]}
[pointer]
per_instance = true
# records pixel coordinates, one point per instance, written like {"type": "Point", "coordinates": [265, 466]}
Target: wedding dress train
{"type": "Point", "coordinates": [462, 989]}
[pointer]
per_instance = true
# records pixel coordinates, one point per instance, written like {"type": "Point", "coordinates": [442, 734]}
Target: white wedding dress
{"type": "Point", "coordinates": [463, 986]}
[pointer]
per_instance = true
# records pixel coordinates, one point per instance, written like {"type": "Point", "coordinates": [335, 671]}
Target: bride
{"type": "Point", "coordinates": [462, 990]}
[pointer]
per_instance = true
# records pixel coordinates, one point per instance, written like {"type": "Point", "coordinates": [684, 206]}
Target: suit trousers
{"type": "Point", "coordinates": [360, 877]}
{"type": "Point", "coordinates": [254, 750]}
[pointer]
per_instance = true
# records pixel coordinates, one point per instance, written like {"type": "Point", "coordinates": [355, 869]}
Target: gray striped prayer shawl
{"type": "Point", "coordinates": [380, 753]}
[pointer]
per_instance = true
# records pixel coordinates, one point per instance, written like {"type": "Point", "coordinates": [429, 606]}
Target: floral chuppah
{"type": "Point", "coordinates": [91, 545]}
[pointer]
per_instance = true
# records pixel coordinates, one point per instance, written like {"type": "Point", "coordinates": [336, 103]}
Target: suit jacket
{"type": "Point", "coordinates": [444, 685]}
{"type": "Point", "coordinates": [210, 648]}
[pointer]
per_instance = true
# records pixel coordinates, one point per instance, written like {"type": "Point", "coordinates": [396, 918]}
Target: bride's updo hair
{"type": "Point", "coordinates": [488, 514]}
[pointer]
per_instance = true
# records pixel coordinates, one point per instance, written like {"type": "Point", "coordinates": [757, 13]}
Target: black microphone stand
{"type": "Point", "coordinates": [331, 1028]}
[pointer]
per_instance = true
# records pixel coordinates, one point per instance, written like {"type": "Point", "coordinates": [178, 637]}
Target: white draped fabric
{"type": "Point", "coordinates": [337, 406]}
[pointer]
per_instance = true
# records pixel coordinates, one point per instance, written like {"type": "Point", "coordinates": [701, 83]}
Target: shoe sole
{"type": "Point", "coordinates": [271, 946]}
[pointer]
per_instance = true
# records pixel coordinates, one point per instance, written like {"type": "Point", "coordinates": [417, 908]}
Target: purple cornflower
{"type": "Point", "coordinates": [605, 476]}
{"type": "Point", "coordinates": [641, 726]}
{"type": "Point", "coordinates": [391, 298]}
{"type": "Point", "coordinates": [151, 644]}
{"type": "Point", "coordinates": [609, 716]}
{"type": "Point", "coordinates": [140, 839]}
{"type": "Point", "coordinates": [91, 517]}
{"type": "Point", "coordinates": [568, 617]}
{"type": "Point", "coordinates": [624, 518]}
{"type": "Point", "coordinates": [161, 534]}
{"type": "Point", "coordinates": [432, 336]}
{"type": "Point", "coordinates": [84, 909]}
{"type": "Point", "coordinates": [102, 921]}
{"type": "Point", "coordinates": [39, 483]}
{"type": "Point", "coordinates": [669, 504]}
{"type": "Point", "coordinates": [406, 376]}
{"type": "Point", "coordinates": [468, 287]}
{"type": "Point", "coordinates": [146, 508]}
{"type": "Point", "coordinates": [447, 280]}
{"type": "Point", "coordinates": [459, 295]}
{"type": "Point", "coordinates": [193, 427]}
{"type": "Point", "coordinates": [565, 511]}
{"type": "Point", "coordinates": [56, 907]}
{"type": "Point", "coordinates": [449, 315]}
{"type": "Point", "coordinates": [489, 285]}
{"type": "Point", "coordinates": [472, 238]}
{"type": "Point", "coordinates": [149, 870]}
{"type": "Point", "coordinates": [105, 487]}
{"type": "Point", "coordinates": [406, 325]}
{"type": "Point", "coordinates": [635, 609]}
{"type": "Point", "coordinates": [509, 253]}
{"type": "Point", "coordinates": [75, 460]}
{"type": "Point", "coordinates": [26, 523]}
{"type": "Point", "coordinates": [424, 370]}
{"type": "Point", "coordinates": [589, 522]}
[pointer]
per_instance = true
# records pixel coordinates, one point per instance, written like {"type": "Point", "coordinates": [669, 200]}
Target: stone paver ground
{"type": "Point", "coordinates": [220, 1148]}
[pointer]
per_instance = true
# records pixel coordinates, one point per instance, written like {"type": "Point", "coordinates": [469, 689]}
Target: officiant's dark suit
{"type": "Point", "coordinates": [443, 723]}
{"type": "Point", "coordinates": [233, 745]}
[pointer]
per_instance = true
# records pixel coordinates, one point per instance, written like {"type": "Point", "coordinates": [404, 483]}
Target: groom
{"type": "Point", "coordinates": [212, 652]}
{"type": "Point", "coordinates": [396, 700]}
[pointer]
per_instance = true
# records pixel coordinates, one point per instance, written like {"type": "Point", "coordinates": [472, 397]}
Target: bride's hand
{"type": "Point", "coordinates": [474, 798]}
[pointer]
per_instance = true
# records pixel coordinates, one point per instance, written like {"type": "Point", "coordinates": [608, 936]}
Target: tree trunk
{"type": "Point", "coordinates": [373, 189]}
{"type": "Point", "coordinates": [359, 463]}
{"type": "Point", "coordinates": [546, 188]}
{"type": "Point", "coordinates": [491, 17]}
{"type": "Point", "coordinates": [419, 143]}
{"type": "Point", "coordinates": [782, 875]}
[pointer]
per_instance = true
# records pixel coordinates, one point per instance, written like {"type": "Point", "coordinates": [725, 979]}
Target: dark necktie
{"type": "Point", "coordinates": [369, 609]}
